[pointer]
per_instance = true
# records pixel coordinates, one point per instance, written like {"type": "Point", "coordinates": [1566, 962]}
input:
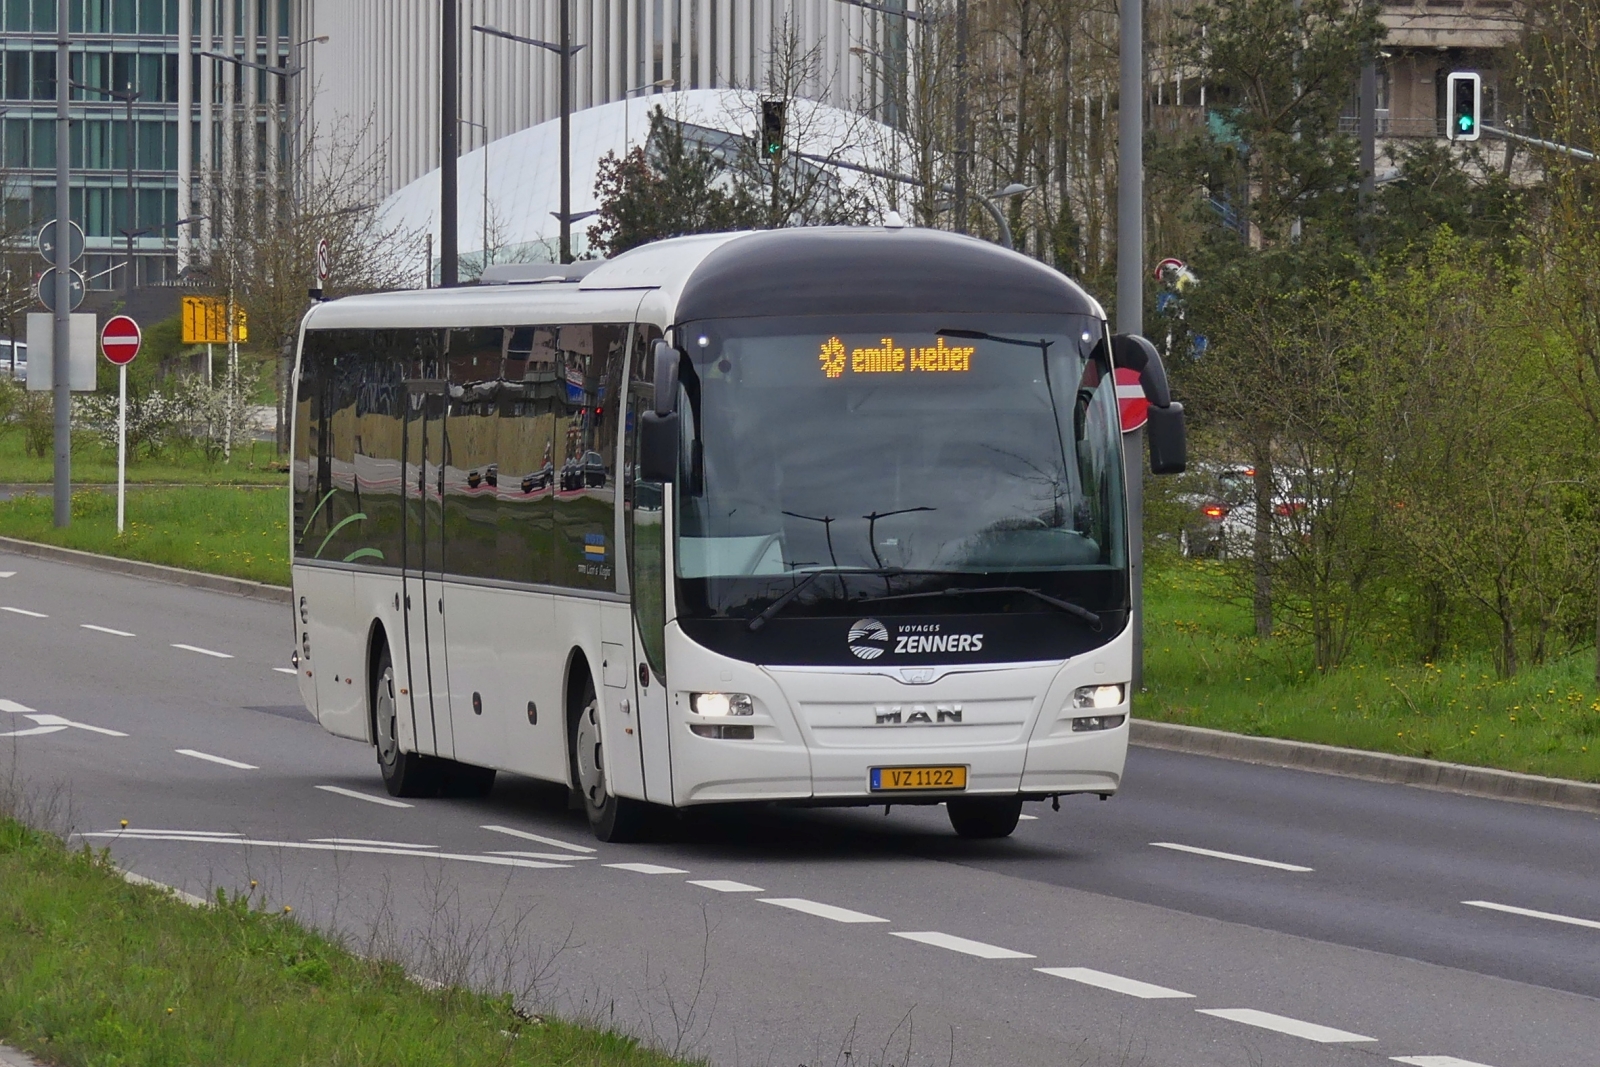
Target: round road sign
{"type": "Point", "coordinates": [323, 258]}
{"type": "Point", "coordinates": [45, 290]}
{"type": "Point", "coordinates": [1131, 400]}
{"type": "Point", "coordinates": [47, 242]}
{"type": "Point", "coordinates": [120, 339]}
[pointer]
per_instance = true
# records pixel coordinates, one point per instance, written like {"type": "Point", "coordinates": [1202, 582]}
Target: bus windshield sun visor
{"type": "Point", "coordinates": [1065, 605]}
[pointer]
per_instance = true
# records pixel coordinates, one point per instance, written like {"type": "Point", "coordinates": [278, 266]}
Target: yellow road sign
{"type": "Point", "coordinates": [205, 321]}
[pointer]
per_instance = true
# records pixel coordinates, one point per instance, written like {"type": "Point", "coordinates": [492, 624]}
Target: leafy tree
{"type": "Point", "coordinates": [1438, 188]}
{"type": "Point", "coordinates": [1559, 80]}
{"type": "Point", "coordinates": [672, 187]}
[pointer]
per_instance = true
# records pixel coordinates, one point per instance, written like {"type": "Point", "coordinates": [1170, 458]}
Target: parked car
{"type": "Point", "coordinates": [594, 470]}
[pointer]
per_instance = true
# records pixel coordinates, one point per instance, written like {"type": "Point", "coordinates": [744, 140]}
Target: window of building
{"type": "Point", "coordinates": [19, 16]}
{"type": "Point", "coordinates": [19, 77]}
{"type": "Point", "coordinates": [152, 145]}
{"type": "Point", "coordinates": [44, 75]}
{"type": "Point", "coordinates": [44, 15]}
{"type": "Point", "coordinates": [16, 148]}
{"type": "Point", "coordinates": [97, 212]}
{"type": "Point", "coordinates": [125, 16]}
{"type": "Point", "coordinates": [97, 144]}
{"type": "Point", "coordinates": [44, 143]}
{"type": "Point", "coordinates": [150, 15]}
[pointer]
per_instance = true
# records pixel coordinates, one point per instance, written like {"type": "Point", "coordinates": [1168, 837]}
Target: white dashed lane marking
{"type": "Point", "coordinates": [209, 758]}
{"type": "Point", "coordinates": [961, 944]}
{"type": "Point", "coordinates": [8, 574]}
{"type": "Point", "coordinates": [13, 707]}
{"type": "Point", "coordinates": [25, 611]}
{"type": "Point", "coordinates": [284, 670]}
{"type": "Point", "coordinates": [204, 651]}
{"type": "Point", "coordinates": [563, 857]}
{"type": "Point", "coordinates": [1028, 818]}
{"type": "Point", "coordinates": [1548, 916]}
{"type": "Point", "coordinates": [1325, 1035]}
{"type": "Point", "coordinates": [723, 885]}
{"type": "Point", "coordinates": [645, 868]}
{"type": "Point", "coordinates": [824, 911]}
{"type": "Point", "coordinates": [1234, 856]}
{"type": "Point", "coordinates": [1436, 1061]}
{"type": "Point", "coordinates": [105, 630]}
{"type": "Point", "coordinates": [368, 797]}
{"type": "Point", "coordinates": [526, 836]}
{"type": "Point", "coordinates": [365, 841]}
{"type": "Point", "coordinates": [1116, 983]}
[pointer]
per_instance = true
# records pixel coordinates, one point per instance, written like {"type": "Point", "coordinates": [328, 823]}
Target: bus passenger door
{"type": "Point", "coordinates": [424, 566]}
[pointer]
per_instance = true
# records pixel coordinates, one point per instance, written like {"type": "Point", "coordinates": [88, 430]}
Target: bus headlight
{"type": "Point", "coordinates": [721, 705]}
{"type": "Point", "coordinates": [1099, 696]}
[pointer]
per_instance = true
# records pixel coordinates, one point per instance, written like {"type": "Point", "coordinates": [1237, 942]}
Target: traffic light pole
{"type": "Point", "coordinates": [61, 350]}
{"type": "Point", "coordinates": [1565, 149]}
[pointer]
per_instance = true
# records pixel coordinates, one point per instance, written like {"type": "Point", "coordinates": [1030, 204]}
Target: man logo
{"type": "Point", "coordinates": [868, 639]}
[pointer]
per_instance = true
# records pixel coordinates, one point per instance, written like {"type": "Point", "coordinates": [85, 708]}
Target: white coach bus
{"type": "Point", "coordinates": [825, 516]}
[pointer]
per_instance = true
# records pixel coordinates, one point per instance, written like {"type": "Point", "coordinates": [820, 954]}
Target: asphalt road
{"type": "Point", "coordinates": [1214, 913]}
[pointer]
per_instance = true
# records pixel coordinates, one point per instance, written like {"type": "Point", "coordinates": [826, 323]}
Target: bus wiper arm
{"type": "Point", "coordinates": [799, 587]}
{"type": "Point", "coordinates": [1065, 605]}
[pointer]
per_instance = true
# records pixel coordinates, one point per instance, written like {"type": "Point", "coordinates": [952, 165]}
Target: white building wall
{"type": "Point", "coordinates": [377, 76]}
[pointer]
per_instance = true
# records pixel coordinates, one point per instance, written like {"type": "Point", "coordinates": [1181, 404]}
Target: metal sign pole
{"type": "Point", "coordinates": [122, 443]}
{"type": "Point", "coordinates": [1130, 289]}
{"type": "Point", "coordinates": [61, 355]}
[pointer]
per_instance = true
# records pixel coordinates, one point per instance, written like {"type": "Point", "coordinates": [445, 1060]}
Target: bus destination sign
{"type": "Point", "coordinates": [887, 357]}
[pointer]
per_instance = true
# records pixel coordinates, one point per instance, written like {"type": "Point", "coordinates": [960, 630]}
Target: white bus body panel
{"type": "Point", "coordinates": [335, 634]}
{"type": "Point", "coordinates": [817, 735]}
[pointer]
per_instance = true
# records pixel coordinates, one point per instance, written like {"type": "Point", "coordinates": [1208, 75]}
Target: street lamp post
{"type": "Point", "coordinates": [484, 127]}
{"type": "Point", "coordinates": [127, 96]}
{"type": "Point", "coordinates": [1014, 189]}
{"type": "Point", "coordinates": [566, 50]}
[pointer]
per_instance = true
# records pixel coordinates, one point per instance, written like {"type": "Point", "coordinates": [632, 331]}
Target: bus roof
{"type": "Point", "coordinates": [796, 271]}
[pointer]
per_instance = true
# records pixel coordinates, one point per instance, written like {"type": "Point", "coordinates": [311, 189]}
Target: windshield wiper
{"type": "Point", "coordinates": [783, 601]}
{"type": "Point", "coordinates": [1065, 605]}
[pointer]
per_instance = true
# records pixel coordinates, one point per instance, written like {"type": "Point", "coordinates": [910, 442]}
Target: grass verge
{"type": "Point", "coordinates": [225, 530]}
{"type": "Point", "coordinates": [96, 971]}
{"type": "Point", "coordinates": [253, 463]}
{"type": "Point", "coordinates": [1204, 666]}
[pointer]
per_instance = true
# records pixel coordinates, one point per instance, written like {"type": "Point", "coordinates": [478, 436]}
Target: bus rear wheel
{"type": "Point", "coordinates": [980, 817]}
{"type": "Point", "coordinates": [405, 774]}
{"type": "Point", "coordinates": [612, 818]}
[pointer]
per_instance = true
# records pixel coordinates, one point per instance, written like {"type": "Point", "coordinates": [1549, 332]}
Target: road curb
{"type": "Point", "coordinates": [1373, 766]}
{"type": "Point", "coordinates": [152, 572]}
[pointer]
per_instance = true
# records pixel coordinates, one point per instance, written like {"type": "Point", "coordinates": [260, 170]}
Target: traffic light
{"type": "Point", "coordinates": [772, 115]}
{"type": "Point", "coordinates": [1464, 97]}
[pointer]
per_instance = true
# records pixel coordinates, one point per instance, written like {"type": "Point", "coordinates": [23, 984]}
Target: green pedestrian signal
{"type": "Point", "coordinates": [772, 123]}
{"type": "Point", "coordinates": [1463, 102]}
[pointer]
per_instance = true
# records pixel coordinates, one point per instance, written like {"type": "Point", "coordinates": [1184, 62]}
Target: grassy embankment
{"type": "Point", "coordinates": [94, 970]}
{"type": "Point", "coordinates": [234, 531]}
{"type": "Point", "coordinates": [253, 463]}
{"type": "Point", "coordinates": [1204, 666]}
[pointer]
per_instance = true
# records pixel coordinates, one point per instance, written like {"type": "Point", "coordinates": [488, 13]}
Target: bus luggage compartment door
{"type": "Point", "coordinates": [426, 458]}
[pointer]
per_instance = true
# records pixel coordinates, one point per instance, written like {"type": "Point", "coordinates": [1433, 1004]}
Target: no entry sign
{"type": "Point", "coordinates": [1134, 405]}
{"type": "Point", "coordinates": [120, 339]}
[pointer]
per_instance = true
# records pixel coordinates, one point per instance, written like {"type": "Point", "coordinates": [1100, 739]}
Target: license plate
{"type": "Point", "coordinates": [888, 779]}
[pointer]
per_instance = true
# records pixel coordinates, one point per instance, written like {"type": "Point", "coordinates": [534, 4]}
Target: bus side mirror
{"type": "Point", "coordinates": [666, 378]}
{"type": "Point", "coordinates": [1169, 452]}
{"type": "Point", "coordinates": [658, 429]}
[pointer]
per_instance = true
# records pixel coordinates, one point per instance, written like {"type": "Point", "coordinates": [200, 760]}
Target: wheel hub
{"type": "Point", "coordinates": [384, 713]}
{"type": "Point", "coordinates": [591, 779]}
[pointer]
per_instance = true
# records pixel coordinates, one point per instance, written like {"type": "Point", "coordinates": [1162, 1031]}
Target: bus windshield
{"type": "Point", "coordinates": [900, 455]}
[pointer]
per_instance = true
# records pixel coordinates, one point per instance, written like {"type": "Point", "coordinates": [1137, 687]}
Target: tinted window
{"type": "Point", "coordinates": [347, 467]}
{"type": "Point", "coordinates": [643, 507]}
{"type": "Point", "coordinates": [584, 438]}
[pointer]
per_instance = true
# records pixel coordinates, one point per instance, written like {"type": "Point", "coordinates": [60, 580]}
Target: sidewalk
{"type": "Point", "coordinates": [10, 1057]}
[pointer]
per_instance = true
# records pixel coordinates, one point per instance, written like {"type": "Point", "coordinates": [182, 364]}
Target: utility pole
{"type": "Point", "coordinates": [61, 354]}
{"type": "Point", "coordinates": [566, 130]}
{"type": "Point", "coordinates": [1130, 290]}
{"type": "Point", "coordinates": [961, 117]}
{"type": "Point", "coordinates": [449, 143]}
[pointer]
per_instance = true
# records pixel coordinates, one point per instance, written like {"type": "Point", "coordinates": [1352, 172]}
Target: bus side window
{"type": "Point", "coordinates": [644, 505]}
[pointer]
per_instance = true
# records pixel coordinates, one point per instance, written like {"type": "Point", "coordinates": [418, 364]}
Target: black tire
{"type": "Point", "coordinates": [984, 817]}
{"type": "Point", "coordinates": [611, 818]}
{"type": "Point", "coordinates": [405, 774]}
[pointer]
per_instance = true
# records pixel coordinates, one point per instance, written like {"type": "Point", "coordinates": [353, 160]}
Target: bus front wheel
{"type": "Point", "coordinates": [405, 774]}
{"type": "Point", "coordinates": [984, 816]}
{"type": "Point", "coordinates": [612, 818]}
